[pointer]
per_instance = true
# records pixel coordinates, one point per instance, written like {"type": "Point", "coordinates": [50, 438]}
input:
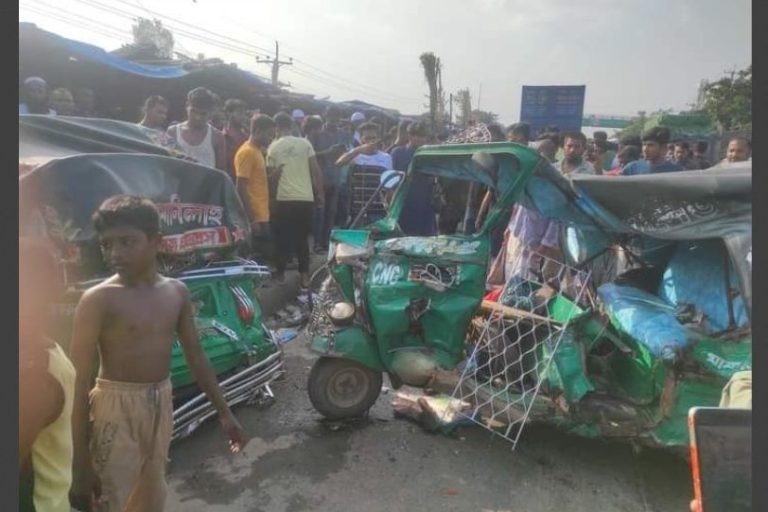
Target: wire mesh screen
{"type": "Point", "coordinates": [512, 342]}
{"type": "Point", "coordinates": [364, 180]}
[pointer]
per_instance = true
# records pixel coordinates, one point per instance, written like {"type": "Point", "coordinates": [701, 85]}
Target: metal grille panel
{"type": "Point", "coordinates": [513, 342]}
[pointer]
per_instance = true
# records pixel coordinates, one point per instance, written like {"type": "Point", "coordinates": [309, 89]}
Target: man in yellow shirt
{"type": "Point", "coordinates": [252, 181]}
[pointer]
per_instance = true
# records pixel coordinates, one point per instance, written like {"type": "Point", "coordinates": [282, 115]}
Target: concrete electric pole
{"type": "Point", "coordinates": [276, 63]}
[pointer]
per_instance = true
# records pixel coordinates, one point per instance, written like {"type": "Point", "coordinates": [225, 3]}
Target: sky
{"type": "Point", "coordinates": [632, 55]}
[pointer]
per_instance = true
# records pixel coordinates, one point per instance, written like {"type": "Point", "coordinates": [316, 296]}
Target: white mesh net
{"type": "Point", "coordinates": [512, 343]}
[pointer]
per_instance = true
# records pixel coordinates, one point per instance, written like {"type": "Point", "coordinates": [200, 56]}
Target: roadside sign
{"type": "Point", "coordinates": [561, 105]}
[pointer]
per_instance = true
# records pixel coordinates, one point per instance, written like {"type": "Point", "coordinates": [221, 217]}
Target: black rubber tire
{"type": "Point", "coordinates": [324, 386]}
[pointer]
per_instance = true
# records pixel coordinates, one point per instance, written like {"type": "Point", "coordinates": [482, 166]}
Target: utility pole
{"type": "Point", "coordinates": [275, 63]}
{"type": "Point", "coordinates": [479, 94]}
{"type": "Point", "coordinates": [450, 111]}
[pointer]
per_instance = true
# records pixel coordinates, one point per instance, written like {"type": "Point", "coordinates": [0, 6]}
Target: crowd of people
{"type": "Point", "coordinates": [294, 176]}
{"type": "Point", "coordinates": [292, 171]}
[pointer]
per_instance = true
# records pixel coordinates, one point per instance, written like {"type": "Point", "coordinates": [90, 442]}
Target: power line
{"type": "Point", "coordinates": [317, 69]}
{"type": "Point", "coordinates": [246, 49]}
{"type": "Point", "coordinates": [237, 45]}
{"type": "Point", "coordinates": [240, 49]}
{"type": "Point", "coordinates": [191, 26]}
{"type": "Point", "coordinates": [134, 16]}
{"type": "Point", "coordinates": [100, 24]}
{"type": "Point", "coordinates": [101, 28]}
{"type": "Point", "coordinates": [96, 28]}
{"type": "Point", "coordinates": [330, 83]}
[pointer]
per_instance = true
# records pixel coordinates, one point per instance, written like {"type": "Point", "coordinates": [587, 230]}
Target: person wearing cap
{"type": "Point", "coordinates": [195, 136]}
{"type": "Point", "coordinates": [356, 120]}
{"type": "Point", "coordinates": [298, 117]}
{"type": "Point", "coordinates": [654, 150]}
{"type": "Point", "coordinates": [35, 95]}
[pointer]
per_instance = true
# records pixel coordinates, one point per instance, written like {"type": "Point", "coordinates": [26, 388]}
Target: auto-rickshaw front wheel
{"type": "Point", "coordinates": [341, 388]}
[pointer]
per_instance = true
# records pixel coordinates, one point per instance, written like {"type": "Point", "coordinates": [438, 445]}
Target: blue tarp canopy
{"type": "Point", "coordinates": [80, 50]}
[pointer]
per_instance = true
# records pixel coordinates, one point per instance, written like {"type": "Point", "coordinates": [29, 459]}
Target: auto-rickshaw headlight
{"type": "Point", "coordinates": [341, 313]}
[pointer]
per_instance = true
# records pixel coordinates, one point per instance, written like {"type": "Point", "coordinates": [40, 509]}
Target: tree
{"type": "Point", "coordinates": [440, 95]}
{"type": "Point", "coordinates": [152, 32]}
{"type": "Point", "coordinates": [635, 127]}
{"type": "Point", "coordinates": [464, 100]}
{"type": "Point", "coordinates": [431, 65]}
{"type": "Point", "coordinates": [481, 116]}
{"type": "Point", "coordinates": [728, 101]}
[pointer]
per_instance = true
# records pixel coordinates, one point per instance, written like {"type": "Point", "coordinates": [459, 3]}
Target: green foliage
{"type": "Point", "coordinates": [728, 101]}
{"type": "Point", "coordinates": [633, 128]}
{"type": "Point", "coordinates": [152, 32]}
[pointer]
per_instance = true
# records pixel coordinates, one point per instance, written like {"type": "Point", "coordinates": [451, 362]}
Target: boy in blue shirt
{"type": "Point", "coordinates": [654, 153]}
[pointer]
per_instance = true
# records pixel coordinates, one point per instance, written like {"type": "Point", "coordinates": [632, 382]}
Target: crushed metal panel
{"type": "Point", "coordinates": [515, 341]}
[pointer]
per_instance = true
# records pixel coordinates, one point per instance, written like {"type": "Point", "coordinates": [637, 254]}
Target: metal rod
{"type": "Point", "coordinates": [250, 369]}
{"type": "Point", "coordinates": [183, 413]}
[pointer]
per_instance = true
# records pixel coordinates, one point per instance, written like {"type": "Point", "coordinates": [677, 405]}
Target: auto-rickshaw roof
{"type": "Point", "coordinates": [687, 205]}
{"type": "Point", "coordinates": [42, 138]}
{"type": "Point", "coordinates": [75, 186]}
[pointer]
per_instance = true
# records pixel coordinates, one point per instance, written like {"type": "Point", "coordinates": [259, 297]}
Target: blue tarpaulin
{"type": "Point", "coordinates": [90, 52]}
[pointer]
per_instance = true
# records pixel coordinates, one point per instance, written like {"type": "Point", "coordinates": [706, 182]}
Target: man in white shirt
{"type": "Point", "coordinates": [368, 162]}
{"type": "Point", "coordinates": [368, 152]}
{"type": "Point", "coordinates": [195, 136]}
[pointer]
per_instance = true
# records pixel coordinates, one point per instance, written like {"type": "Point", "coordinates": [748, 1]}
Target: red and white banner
{"type": "Point", "coordinates": [207, 238]}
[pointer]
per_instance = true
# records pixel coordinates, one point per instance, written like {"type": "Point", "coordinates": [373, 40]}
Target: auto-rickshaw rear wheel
{"type": "Point", "coordinates": [341, 388]}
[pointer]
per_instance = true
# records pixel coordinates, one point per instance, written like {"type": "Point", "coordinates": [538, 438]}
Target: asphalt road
{"type": "Point", "coordinates": [297, 463]}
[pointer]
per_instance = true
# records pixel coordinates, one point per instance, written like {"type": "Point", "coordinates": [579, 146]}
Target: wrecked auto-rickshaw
{"type": "Point", "coordinates": [644, 316]}
{"type": "Point", "coordinates": [204, 233]}
{"type": "Point", "coordinates": [399, 304]}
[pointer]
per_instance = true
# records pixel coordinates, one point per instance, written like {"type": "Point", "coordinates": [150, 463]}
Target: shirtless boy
{"type": "Point", "coordinates": [128, 324]}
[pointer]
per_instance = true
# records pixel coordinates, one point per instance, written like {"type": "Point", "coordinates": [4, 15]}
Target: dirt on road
{"type": "Point", "coordinates": [296, 463]}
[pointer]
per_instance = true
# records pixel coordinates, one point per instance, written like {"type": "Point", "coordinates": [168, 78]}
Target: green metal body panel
{"type": "Point", "coordinates": [389, 291]}
{"type": "Point", "coordinates": [350, 343]}
{"type": "Point", "coordinates": [690, 392]}
{"type": "Point", "coordinates": [595, 360]}
{"type": "Point", "coordinates": [389, 288]}
{"type": "Point", "coordinates": [634, 378]}
{"type": "Point", "coordinates": [215, 304]}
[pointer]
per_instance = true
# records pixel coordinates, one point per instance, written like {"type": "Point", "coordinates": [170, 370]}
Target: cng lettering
{"type": "Point", "coordinates": [386, 274]}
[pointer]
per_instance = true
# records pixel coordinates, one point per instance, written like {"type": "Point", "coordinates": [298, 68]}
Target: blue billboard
{"type": "Point", "coordinates": [561, 105]}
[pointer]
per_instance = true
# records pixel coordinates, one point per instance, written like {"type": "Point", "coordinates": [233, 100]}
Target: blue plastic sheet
{"type": "Point", "coordinates": [646, 318]}
{"type": "Point", "coordinates": [696, 276]}
{"type": "Point", "coordinates": [94, 53]}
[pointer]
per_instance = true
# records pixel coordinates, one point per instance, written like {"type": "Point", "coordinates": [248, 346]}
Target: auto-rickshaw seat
{"type": "Point", "coordinates": [696, 276]}
{"type": "Point", "coordinates": [692, 293]}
